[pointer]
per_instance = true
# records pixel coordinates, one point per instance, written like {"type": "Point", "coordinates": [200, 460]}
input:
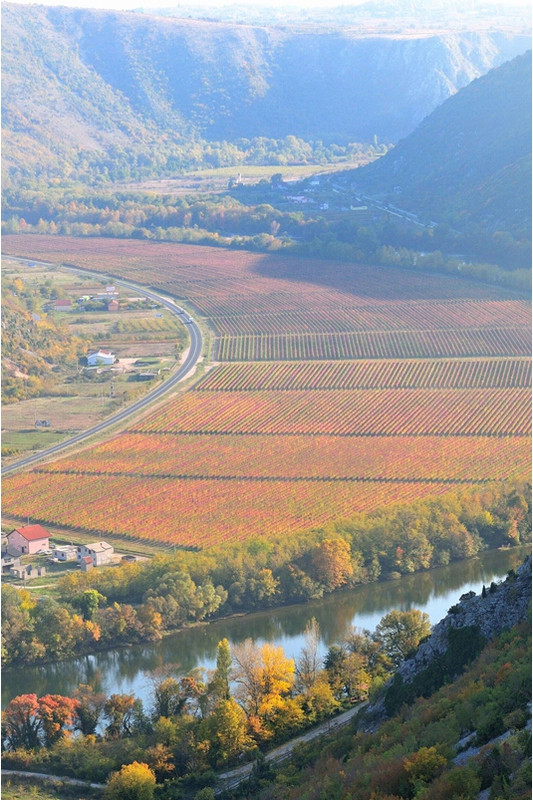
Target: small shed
{"type": "Point", "coordinates": [113, 305]}
{"type": "Point", "coordinates": [68, 552]}
{"type": "Point", "coordinates": [28, 539]}
{"type": "Point", "coordinates": [86, 563]}
{"type": "Point", "coordinates": [62, 305]}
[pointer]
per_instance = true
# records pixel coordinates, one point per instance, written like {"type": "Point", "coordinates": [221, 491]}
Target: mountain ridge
{"type": "Point", "coordinates": [93, 80]}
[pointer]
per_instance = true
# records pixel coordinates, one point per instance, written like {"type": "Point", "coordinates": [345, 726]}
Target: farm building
{"type": "Point", "coordinates": [28, 571]}
{"type": "Point", "coordinates": [113, 305]}
{"type": "Point", "coordinates": [10, 559]}
{"type": "Point", "coordinates": [29, 539]}
{"type": "Point", "coordinates": [62, 305]}
{"type": "Point", "coordinates": [66, 552]}
{"type": "Point", "coordinates": [100, 357]}
{"type": "Point", "coordinates": [86, 563]}
{"type": "Point", "coordinates": [99, 552]}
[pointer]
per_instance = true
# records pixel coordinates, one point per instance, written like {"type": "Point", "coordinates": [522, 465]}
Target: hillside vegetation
{"type": "Point", "coordinates": [137, 88]}
{"type": "Point", "coordinates": [470, 160]}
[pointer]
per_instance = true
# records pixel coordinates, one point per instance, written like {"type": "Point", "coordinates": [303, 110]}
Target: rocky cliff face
{"type": "Point", "coordinates": [479, 617]}
{"type": "Point", "coordinates": [502, 607]}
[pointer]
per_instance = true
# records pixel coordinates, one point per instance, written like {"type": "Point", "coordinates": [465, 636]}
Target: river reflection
{"type": "Point", "coordinates": [131, 669]}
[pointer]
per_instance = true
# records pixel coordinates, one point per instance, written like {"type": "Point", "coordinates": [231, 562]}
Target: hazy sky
{"type": "Point", "coordinates": [151, 4]}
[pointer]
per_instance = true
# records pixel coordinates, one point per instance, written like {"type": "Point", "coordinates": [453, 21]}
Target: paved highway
{"type": "Point", "coordinates": [193, 355]}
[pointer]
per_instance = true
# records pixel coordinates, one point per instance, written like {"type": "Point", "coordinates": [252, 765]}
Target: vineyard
{"type": "Point", "coordinates": [341, 388]}
{"type": "Point", "coordinates": [200, 512]}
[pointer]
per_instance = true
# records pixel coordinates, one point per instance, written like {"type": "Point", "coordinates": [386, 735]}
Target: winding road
{"type": "Point", "coordinates": [195, 350]}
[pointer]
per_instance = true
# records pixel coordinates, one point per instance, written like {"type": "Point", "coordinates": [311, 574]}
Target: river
{"type": "Point", "coordinates": [132, 669]}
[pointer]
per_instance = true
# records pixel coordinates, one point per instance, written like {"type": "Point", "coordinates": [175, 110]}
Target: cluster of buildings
{"type": "Point", "coordinates": [108, 299]}
{"type": "Point", "coordinates": [35, 540]}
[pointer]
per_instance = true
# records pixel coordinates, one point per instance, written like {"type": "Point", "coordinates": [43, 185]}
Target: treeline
{"type": "Point", "coordinates": [166, 159]}
{"type": "Point", "coordinates": [255, 697]}
{"type": "Point", "coordinates": [240, 221]}
{"type": "Point", "coordinates": [140, 601]}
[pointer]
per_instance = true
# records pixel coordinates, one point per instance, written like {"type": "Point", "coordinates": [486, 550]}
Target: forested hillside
{"type": "Point", "coordinates": [77, 82]}
{"type": "Point", "coordinates": [471, 156]}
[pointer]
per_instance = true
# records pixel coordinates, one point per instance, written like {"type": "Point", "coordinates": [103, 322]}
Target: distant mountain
{"type": "Point", "coordinates": [469, 161]}
{"type": "Point", "coordinates": [98, 80]}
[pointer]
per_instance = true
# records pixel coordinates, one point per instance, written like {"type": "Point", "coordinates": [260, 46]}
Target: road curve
{"type": "Point", "coordinates": [193, 355]}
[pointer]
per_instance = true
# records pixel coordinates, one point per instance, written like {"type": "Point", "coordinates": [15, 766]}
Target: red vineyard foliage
{"type": "Point", "coordinates": [348, 412]}
{"type": "Point", "coordinates": [384, 374]}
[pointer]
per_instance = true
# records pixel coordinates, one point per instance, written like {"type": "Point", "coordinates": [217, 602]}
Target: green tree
{"type": "Point", "coordinates": [89, 602]}
{"type": "Point", "coordinates": [400, 632]}
{"type": "Point", "coordinates": [135, 781]}
{"type": "Point", "coordinates": [90, 705]}
{"type": "Point", "coordinates": [227, 728]}
{"type": "Point", "coordinates": [219, 686]}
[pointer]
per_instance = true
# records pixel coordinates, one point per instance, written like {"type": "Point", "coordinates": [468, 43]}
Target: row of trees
{"type": "Point", "coordinates": [164, 158]}
{"type": "Point", "coordinates": [254, 696]}
{"type": "Point", "coordinates": [138, 602]}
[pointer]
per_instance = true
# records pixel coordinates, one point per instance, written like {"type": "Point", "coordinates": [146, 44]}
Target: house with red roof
{"type": "Point", "coordinates": [28, 539]}
{"type": "Point", "coordinates": [62, 305]}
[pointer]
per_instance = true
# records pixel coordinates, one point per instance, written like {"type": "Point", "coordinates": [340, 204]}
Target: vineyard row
{"type": "Point", "coordinates": [387, 411]}
{"type": "Point", "coordinates": [458, 343]}
{"type": "Point", "coordinates": [303, 458]}
{"type": "Point", "coordinates": [402, 315]}
{"type": "Point", "coordinates": [386, 374]}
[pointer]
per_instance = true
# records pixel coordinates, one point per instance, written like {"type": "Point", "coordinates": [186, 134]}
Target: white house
{"type": "Point", "coordinates": [100, 552]}
{"type": "Point", "coordinates": [101, 357]}
{"type": "Point", "coordinates": [66, 552]}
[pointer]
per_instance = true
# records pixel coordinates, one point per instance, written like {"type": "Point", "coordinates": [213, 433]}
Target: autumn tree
{"type": "Point", "coordinates": [424, 765]}
{"type": "Point", "coordinates": [56, 713]}
{"type": "Point", "coordinates": [135, 781]}
{"type": "Point", "coordinates": [22, 722]}
{"type": "Point", "coordinates": [332, 563]}
{"type": "Point", "coordinates": [261, 674]}
{"type": "Point", "coordinates": [119, 709]}
{"type": "Point", "coordinates": [399, 633]}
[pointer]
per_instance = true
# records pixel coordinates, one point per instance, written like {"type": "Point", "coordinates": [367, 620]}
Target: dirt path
{"type": "Point", "coordinates": [232, 778]}
{"type": "Point", "coordinates": [54, 778]}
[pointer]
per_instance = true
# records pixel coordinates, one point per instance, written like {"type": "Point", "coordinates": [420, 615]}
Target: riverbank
{"type": "Point", "coordinates": [130, 669]}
